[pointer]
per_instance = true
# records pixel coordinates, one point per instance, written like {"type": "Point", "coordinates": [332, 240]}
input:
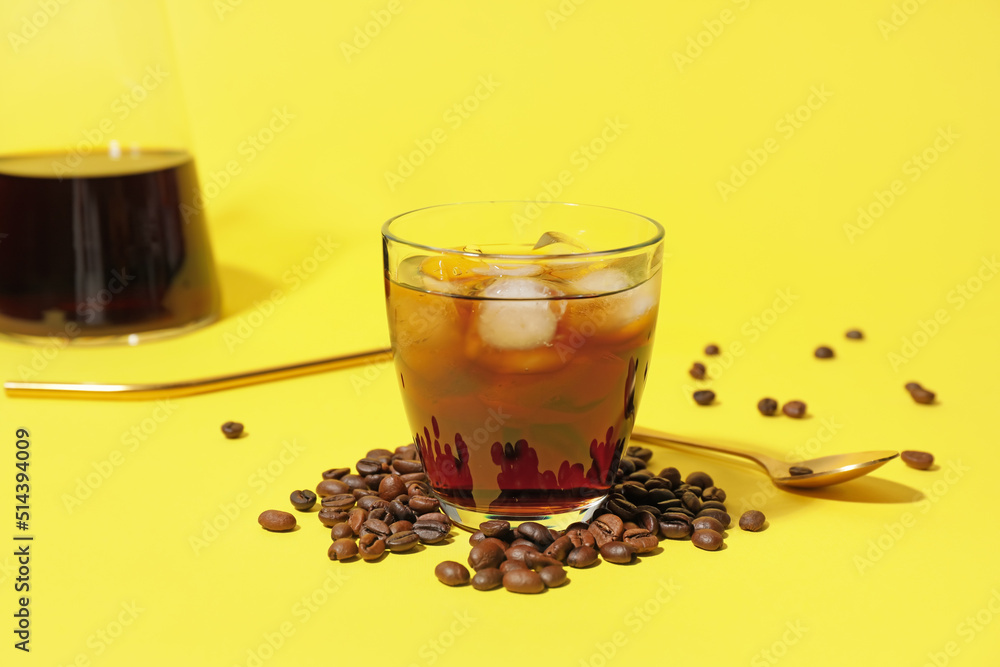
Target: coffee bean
{"type": "Point", "coordinates": [415, 477]}
{"type": "Point", "coordinates": [430, 532]}
{"type": "Point", "coordinates": [341, 530]}
{"type": "Point", "coordinates": [418, 489]}
{"type": "Point", "coordinates": [332, 487]}
{"type": "Point", "coordinates": [767, 406]}
{"type": "Point", "coordinates": [357, 517]}
{"type": "Point", "coordinates": [553, 576]}
{"type": "Point", "coordinates": [675, 526]}
{"type": "Point", "coordinates": [407, 451]}
{"type": "Point", "coordinates": [372, 481]}
{"type": "Point", "coordinates": [618, 552]}
{"type": "Point", "coordinates": [719, 515]}
{"type": "Point", "coordinates": [401, 512]}
{"type": "Point", "coordinates": [559, 549]}
{"type": "Point", "coordinates": [497, 528]}
{"type": "Point", "coordinates": [537, 561]}
{"type": "Point", "coordinates": [401, 541]}
{"type": "Point", "coordinates": [423, 504]}
{"type": "Point", "coordinates": [711, 350]}
{"type": "Point", "coordinates": [709, 540]}
{"type": "Point", "coordinates": [342, 549]}
{"type": "Point", "coordinates": [519, 552]}
{"type": "Point", "coordinates": [648, 520]}
{"type": "Point", "coordinates": [641, 539]}
{"type": "Point", "coordinates": [699, 479]}
{"type": "Point", "coordinates": [697, 370]}
{"type": "Point", "coordinates": [691, 501]}
{"type": "Point", "coordinates": [382, 514]}
{"type": "Point", "coordinates": [487, 579]}
{"type": "Point", "coordinates": [621, 508]}
{"type": "Point", "coordinates": [580, 537]}
{"type": "Point", "coordinates": [707, 523]}
{"type": "Point", "coordinates": [276, 520]}
{"type": "Point", "coordinates": [921, 395]}
{"type": "Point", "coordinates": [823, 352]}
{"type": "Point", "coordinates": [752, 520]}
{"type": "Point", "coordinates": [390, 487]}
{"type": "Point", "coordinates": [406, 466]}
{"type": "Point", "coordinates": [794, 409]}
{"type": "Point", "coordinates": [368, 467]}
{"type": "Point", "coordinates": [910, 386]}
{"type": "Point", "coordinates": [371, 547]}
{"type": "Point", "coordinates": [497, 542]}
{"type": "Point", "coordinates": [714, 493]}
{"type": "Point", "coordinates": [331, 517]}
{"type": "Point", "coordinates": [535, 532]}
{"type": "Point", "coordinates": [643, 453]}
{"type": "Point", "coordinates": [918, 460]}
{"type": "Point", "coordinates": [375, 527]}
{"type": "Point", "coordinates": [799, 470]}
{"type": "Point", "coordinates": [673, 475]}
{"type": "Point", "coordinates": [371, 502]}
{"type": "Point", "coordinates": [354, 481]}
{"type": "Point", "coordinates": [335, 473]}
{"type": "Point", "coordinates": [523, 581]}
{"type": "Point", "coordinates": [523, 542]}
{"type": "Point", "coordinates": [451, 573]}
{"type": "Point", "coordinates": [703, 397]}
{"type": "Point", "coordinates": [400, 526]}
{"type": "Point", "coordinates": [486, 554]}
{"type": "Point", "coordinates": [635, 492]}
{"type": "Point", "coordinates": [303, 500]}
{"type": "Point", "coordinates": [232, 430]}
{"type": "Point", "coordinates": [582, 556]}
{"type": "Point", "coordinates": [626, 467]}
{"type": "Point", "coordinates": [607, 528]}
{"type": "Point", "coordinates": [855, 334]}
{"type": "Point", "coordinates": [361, 493]}
{"type": "Point", "coordinates": [512, 565]}
{"type": "Point", "coordinates": [713, 504]}
{"type": "Point", "coordinates": [341, 501]}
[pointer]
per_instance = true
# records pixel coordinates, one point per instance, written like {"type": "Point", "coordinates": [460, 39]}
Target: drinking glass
{"type": "Point", "coordinates": [102, 230]}
{"type": "Point", "coordinates": [522, 335]}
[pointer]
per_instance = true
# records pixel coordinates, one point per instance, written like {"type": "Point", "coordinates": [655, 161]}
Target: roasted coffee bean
{"type": "Point", "coordinates": [357, 517]}
{"type": "Point", "coordinates": [476, 537]}
{"type": "Point", "coordinates": [401, 512]}
{"type": "Point", "coordinates": [621, 508]}
{"type": "Point", "coordinates": [341, 530]}
{"type": "Point", "coordinates": [635, 492]}
{"type": "Point", "coordinates": [378, 453]}
{"type": "Point", "coordinates": [423, 504]}
{"type": "Point", "coordinates": [373, 481]}
{"type": "Point", "coordinates": [713, 505]}
{"type": "Point", "coordinates": [553, 576]}
{"type": "Point", "coordinates": [401, 541]}
{"type": "Point", "coordinates": [276, 520]}
{"type": "Point", "coordinates": [700, 479]}
{"type": "Point", "coordinates": [626, 467]}
{"type": "Point", "coordinates": [709, 540]}
{"type": "Point", "coordinates": [823, 352]}
{"type": "Point", "coordinates": [375, 527]}
{"type": "Point", "coordinates": [418, 489]}
{"type": "Point", "coordinates": [675, 526]}
{"type": "Point", "coordinates": [361, 493]}
{"type": "Point", "coordinates": [368, 467]}
{"type": "Point", "coordinates": [342, 549]}
{"type": "Point", "coordinates": [497, 528]}
{"type": "Point", "coordinates": [641, 539]}
{"type": "Point", "coordinates": [487, 579]}
{"type": "Point", "coordinates": [697, 370]}
{"type": "Point", "coordinates": [431, 532]}
{"type": "Point", "coordinates": [406, 466]}
{"type": "Point", "coordinates": [536, 532]}
{"type": "Point", "coordinates": [910, 386]}
{"type": "Point", "coordinates": [918, 460]}
{"type": "Point", "coordinates": [400, 526]}
{"type": "Point", "coordinates": [336, 473]}
{"type": "Point", "coordinates": [708, 523]}
{"type": "Point", "coordinates": [691, 501]}
{"type": "Point", "coordinates": [486, 554]}
{"type": "Point", "coordinates": [519, 552]}
{"type": "Point", "coordinates": [582, 556]}
{"type": "Point", "coordinates": [719, 515]}
{"type": "Point", "coordinates": [714, 493]}
{"type": "Point", "coordinates": [618, 552]}
{"type": "Point", "coordinates": [496, 541]}
{"type": "Point", "coordinates": [711, 350]}
{"type": "Point", "coordinates": [637, 463]}
{"type": "Point", "coordinates": [581, 537]}
{"type": "Point", "coordinates": [921, 395]}
{"type": "Point", "coordinates": [371, 547]}
{"type": "Point", "coordinates": [703, 397]}
{"type": "Point", "coordinates": [451, 573]}
{"type": "Point", "coordinates": [752, 520]}
{"type": "Point", "coordinates": [341, 501]}
{"type": "Point", "coordinates": [799, 470]}
{"type": "Point", "coordinates": [767, 406]}
{"type": "Point", "coordinates": [523, 581]}
{"type": "Point", "coordinates": [390, 487]}
{"type": "Point", "coordinates": [332, 487]}
{"type": "Point", "coordinates": [354, 481]}
{"type": "Point", "coordinates": [537, 561]}
{"type": "Point", "coordinates": [232, 430]}
{"type": "Point", "coordinates": [303, 500]}
{"type": "Point", "coordinates": [855, 334]}
{"type": "Point", "coordinates": [382, 514]}
{"type": "Point", "coordinates": [512, 565]}
{"type": "Point", "coordinates": [331, 517]}
{"type": "Point", "coordinates": [641, 476]}
{"type": "Point", "coordinates": [371, 502]}
{"type": "Point", "coordinates": [643, 453]}
{"type": "Point", "coordinates": [415, 477]}
{"type": "Point", "coordinates": [672, 474]}
{"type": "Point", "coordinates": [794, 409]}
{"type": "Point", "coordinates": [670, 505]}
{"type": "Point", "coordinates": [648, 520]}
{"type": "Point", "coordinates": [524, 542]}
{"type": "Point", "coordinates": [607, 528]}
{"type": "Point", "coordinates": [559, 549]}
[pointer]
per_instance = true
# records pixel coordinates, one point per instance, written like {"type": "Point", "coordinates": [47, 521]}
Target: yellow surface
{"type": "Point", "coordinates": [897, 569]}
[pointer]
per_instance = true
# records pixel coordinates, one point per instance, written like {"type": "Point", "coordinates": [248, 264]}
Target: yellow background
{"type": "Point", "coordinates": [837, 578]}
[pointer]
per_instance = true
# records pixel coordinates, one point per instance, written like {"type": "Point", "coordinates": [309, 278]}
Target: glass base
{"type": "Point", "coordinates": [89, 339]}
{"type": "Point", "coordinates": [470, 519]}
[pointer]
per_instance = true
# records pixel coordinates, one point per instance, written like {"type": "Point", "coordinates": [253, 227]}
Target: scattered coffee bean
{"type": "Point", "coordinates": [407, 467]}
{"type": "Point", "coordinates": [535, 532]}
{"type": "Point", "coordinates": [823, 352]}
{"type": "Point", "coordinates": [675, 526]}
{"type": "Point", "coordinates": [423, 504]}
{"type": "Point", "coordinates": [699, 479]}
{"type": "Point", "coordinates": [709, 540]}
{"type": "Point", "coordinates": [703, 397]}
{"type": "Point", "coordinates": [487, 579]}
{"type": "Point", "coordinates": [276, 520]}
{"type": "Point", "coordinates": [335, 473]}
{"type": "Point", "coordinates": [799, 470]}
{"type": "Point", "coordinates": [711, 350]}
{"type": "Point", "coordinates": [401, 541]}
{"type": "Point", "coordinates": [767, 406]}
{"type": "Point", "coordinates": [331, 517]}
{"type": "Point", "coordinates": [341, 501]}
{"type": "Point", "coordinates": [919, 394]}
{"type": "Point", "coordinates": [342, 549]}
{"type": "Point", "coordinates": [523, 581]}
{"type": "Point", "coordinates": [714, 493]}
{"type": "Point", "coordinates": [486, 555]}
{"type": "Point", "coordinates": [918, 460]}
{"type": "Point", "coordinates": [341, 530]}
{"type": "Point", "coordinates": [559, 549]}
{"type": "Point", "coordinates": [697, 370]}
{"type": "Point", "coordinates": [371, 547]}
{"type": "Point", "coordinates": [582, 556]}
{"type": "Point", "coordinates": [303, 500]}
{"type": "Point", "coordinates": [719, 515]}
{"type": "Point", "coordinates": [332, 487]}
{"type": "Point", "coordinates": [794, 409]}
{"type": "Point", "coordinates": [390, 487]}
{"type": "Point", "coordinates": [607, 528]}
{"type": "Point", "coordinates": [232, 430]}
{"type": "Point", "coordinates": [618, 552]}
{"type": "Point", "coordinates": [855, 334]}
{"type": "Point", "coordinates": [641, 539]}
{"type": "Point", "coordinates": [910, 386]}
{"type": "Point", "coordinates": [553, 576]}
{"type": "Point", "coordinates": [512, 565]}
{"type": "Point", "coordinates": [451, 573]}
{"type": "Point", "coordinates": [707, 523]}
{"type": "Point", "coordinates": [752, 520]}
{"type": "Point", "coordinates": [400, 526]}
{"type": "Point", "coordinates": [431, 531]}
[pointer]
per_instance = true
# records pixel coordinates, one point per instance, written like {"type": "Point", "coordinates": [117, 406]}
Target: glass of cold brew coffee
{"type": "Point", "coordinates": [522, 335]}
{"type": "Point", "coordinates": [102, 230]}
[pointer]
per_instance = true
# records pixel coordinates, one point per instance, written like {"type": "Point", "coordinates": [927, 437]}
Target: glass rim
{"type": "Point", "coordinates": [656, 238]}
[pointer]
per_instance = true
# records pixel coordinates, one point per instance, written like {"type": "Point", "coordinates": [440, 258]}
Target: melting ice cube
{"type": "Point", "coordinates": [518, 316]}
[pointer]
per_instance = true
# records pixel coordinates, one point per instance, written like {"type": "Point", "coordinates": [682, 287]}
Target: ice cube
{"type": "Point", "coordinates": [559, 243]}
{"type": "Point", "coordinates": [603, 281]}
{"type": "Point", "coordinates": [620, 306]}
{"type": "Point", "coordinates": [509, 270]}
{"type": "Point", "coordinates": [517, 314]}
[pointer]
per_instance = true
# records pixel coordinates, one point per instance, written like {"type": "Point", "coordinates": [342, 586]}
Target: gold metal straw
{"type": "Point", "coordinates": [145, 392]}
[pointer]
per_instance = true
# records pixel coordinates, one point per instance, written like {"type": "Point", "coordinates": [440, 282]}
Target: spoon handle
{"type": "Point", "coordinates": [661, 438]}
